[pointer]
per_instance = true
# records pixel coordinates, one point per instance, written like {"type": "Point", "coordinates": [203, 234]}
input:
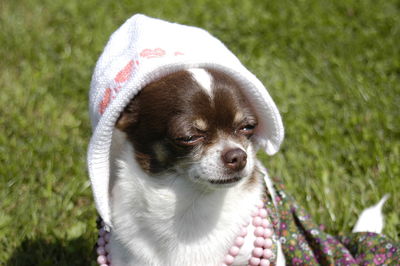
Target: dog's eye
{"type": "Point", "coordinates": [190, 140]}
{"type": "Point", "coordinates": [247, 130]}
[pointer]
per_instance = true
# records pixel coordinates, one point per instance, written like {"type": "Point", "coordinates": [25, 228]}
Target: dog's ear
{"type": "Point", "coordinates": [129, 117]}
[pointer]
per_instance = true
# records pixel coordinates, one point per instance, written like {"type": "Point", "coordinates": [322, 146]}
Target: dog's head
{"type": "Point", "coordinates": [194, 123]}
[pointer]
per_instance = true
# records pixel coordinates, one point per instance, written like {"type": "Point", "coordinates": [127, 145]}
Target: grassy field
{"type": "Point", "coordinates": [333, 68]}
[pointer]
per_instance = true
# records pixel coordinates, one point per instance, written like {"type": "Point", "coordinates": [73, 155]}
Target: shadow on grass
{"type": "Point", "coordinates": [79, 251]}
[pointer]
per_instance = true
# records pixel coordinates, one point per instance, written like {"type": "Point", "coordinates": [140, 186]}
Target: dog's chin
{"type": "Point", "coordinates": [218, 183]}
{"type": "Point", "coordinates": [225, 181]}
{"type": "Point", "coordinates": [214, 176]}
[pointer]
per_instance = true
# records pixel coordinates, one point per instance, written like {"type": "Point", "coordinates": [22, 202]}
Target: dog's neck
{"type": "Point", "coordinates": [169, 220]}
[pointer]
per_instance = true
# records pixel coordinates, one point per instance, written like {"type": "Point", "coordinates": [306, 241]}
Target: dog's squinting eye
{"type": "Point", "coordinates": [190, 140]}
{"type": "Point", "coordinates": [247, 130]}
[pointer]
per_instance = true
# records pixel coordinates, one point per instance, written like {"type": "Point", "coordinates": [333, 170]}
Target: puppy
{"type": "Point", "coordinates": [184, 172]}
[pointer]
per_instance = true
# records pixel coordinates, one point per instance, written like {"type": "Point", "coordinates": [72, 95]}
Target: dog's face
{"type": "Point", "coordinates": [193, 123]}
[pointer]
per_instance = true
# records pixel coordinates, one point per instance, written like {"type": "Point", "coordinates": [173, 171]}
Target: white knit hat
{"type": "Point", "coordinates": [143, 50]}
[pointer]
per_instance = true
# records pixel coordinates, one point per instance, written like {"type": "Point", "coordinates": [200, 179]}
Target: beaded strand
{"type": "Point", "coordinates": [263, 232]}
{"type": "Point", "coordinates": [103, 247]}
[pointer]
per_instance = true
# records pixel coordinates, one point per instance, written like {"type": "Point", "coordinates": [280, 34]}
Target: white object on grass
{"type": "Point", "coordinates": [371, 219]}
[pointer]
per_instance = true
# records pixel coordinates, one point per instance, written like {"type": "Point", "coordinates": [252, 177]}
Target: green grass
{"type": "Point", "coordinates": [333, 69]}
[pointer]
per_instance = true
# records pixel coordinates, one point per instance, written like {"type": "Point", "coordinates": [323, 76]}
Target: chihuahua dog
{"type": "Point", "coordinates": [184, 172]}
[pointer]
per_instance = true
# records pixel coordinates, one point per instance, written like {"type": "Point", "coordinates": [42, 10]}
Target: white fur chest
{"type": "Point", "coordinates": [170, 221]}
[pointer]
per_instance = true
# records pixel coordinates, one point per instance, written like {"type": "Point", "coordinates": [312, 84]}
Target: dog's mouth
{"type": "Point", "coordinates": [226, 181]}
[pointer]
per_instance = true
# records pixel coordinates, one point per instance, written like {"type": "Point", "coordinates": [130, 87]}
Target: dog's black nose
{"type": "Point", "coordinates": [234, 159]}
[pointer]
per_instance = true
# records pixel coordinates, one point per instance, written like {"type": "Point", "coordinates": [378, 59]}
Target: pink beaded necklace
{"type": "Point", "coordinates": [261, 254]}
